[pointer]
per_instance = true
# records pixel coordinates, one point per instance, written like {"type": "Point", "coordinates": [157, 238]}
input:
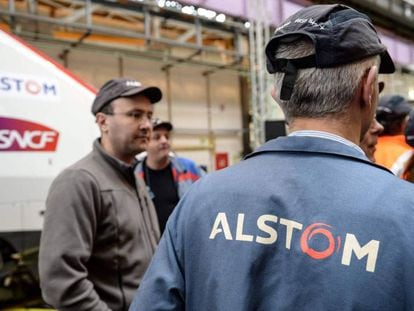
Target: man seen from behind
{"type": "Point", "coordinates": [303, 223]}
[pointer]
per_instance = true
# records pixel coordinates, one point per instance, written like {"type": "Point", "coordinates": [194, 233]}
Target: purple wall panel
{"type": "Point", "coordinates": [403, 52]}
{"type": "Point", "coordinates": [233, 7]}
{"type": "Point", "coordinates": [239, 8]}
{"type": "Point", "coordinates": [400, 50]}
{"type": "Point", "coordinates": [389, 43]}
{"type": "Point", "coordinates": [290, 8]}
{"type": "Point", "coordinates": [275, 9]}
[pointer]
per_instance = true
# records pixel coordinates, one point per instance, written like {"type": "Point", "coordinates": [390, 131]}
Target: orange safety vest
{"type": "Point", "coordinates": [389, 149]}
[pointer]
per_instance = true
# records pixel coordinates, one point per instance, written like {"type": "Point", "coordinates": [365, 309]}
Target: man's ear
{"type": "Point", "coordinates": [102, 121]}
{"type": "Point", "coordinates": [369, 86]}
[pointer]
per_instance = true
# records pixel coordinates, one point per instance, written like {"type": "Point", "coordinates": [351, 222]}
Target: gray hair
{"type": "Point", "coordinates": [319, 92]}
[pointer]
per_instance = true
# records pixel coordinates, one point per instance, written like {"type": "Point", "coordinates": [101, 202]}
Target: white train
{"type": "Point", "coordinates": [45, 125]}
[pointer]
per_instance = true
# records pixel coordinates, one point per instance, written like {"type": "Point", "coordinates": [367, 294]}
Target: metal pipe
{"type": "Point", "coordinates": [253, 81]}
{"type": "Point", "coordinates": [238, 45]}
{"type": "Point", "coordinates": [88, 13]}
{"type": "Point", "coordinates": [12, 12]}
{"type": "Point", "coordinates": [168, 90]}
{"type": "Point", "coordinates": [244, 100]}
{"type": "Point", "coordinates": [199, 34]}
{"type": "Point", "coordinates": [147, 26]}
{"type": "Point", "coordinates": [12, 7]}
{"type": "Point", "coordinates": [211, 138]}
{"type": "Point", "coordinates": [261, 78]}
{"type": "Point", "coordinates": [32, 8]}
{"type": "Point", "coordinates": [120, 65]}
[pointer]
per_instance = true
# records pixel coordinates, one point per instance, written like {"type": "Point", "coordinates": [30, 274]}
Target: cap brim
{"type": "Point", "coordinates": [381, 86]}
{"type": "Point", "coordinates": [404, 109]}
{"type": "Point", "coordinates": [387, 65]}
{"type": "Point", "coordinates": [167, 125]}
{"type": "Point", "coordinates": [153, 93]}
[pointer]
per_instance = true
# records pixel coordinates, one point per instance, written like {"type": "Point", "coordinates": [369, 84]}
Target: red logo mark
{"type": "Point", "coordinates": [312, 230]}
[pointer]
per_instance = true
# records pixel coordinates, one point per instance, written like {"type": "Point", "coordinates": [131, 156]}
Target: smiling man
{"type": "Point", "coordinates": [101, 228]}
{"type": "Point", "coordinates": [167, 176]}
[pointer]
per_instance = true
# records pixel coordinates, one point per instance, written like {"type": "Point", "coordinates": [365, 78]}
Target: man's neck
{"type": "Point", "coordinates": [336, 126]}
{"type": "Point", "coordinates": [157, 164]}
{"type": "Point", "coordinates": [128, 159]}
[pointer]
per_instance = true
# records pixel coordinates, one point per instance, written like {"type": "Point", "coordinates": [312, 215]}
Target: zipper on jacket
{"type": "Point", "coordinates": [144, 220]}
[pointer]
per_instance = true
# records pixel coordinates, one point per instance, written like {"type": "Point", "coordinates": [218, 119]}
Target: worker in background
{"type": "Point", "coordinates": [406, 169]}
{"type": "Point", "coordinates": [101, 228]}
{"type": "Point", "coordinates": [370, 140]}
{"type": "Point", "coordinates": [392, 113]}
{"type": "Point", "coordinates": [167, 176]}
{"type": "Point", "coordinates": [303, 223]}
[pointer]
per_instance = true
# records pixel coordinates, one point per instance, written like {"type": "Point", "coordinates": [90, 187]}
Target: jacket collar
{"type": "Point", "coordinates": [127, 170]}
{"type": "Point", "coordinates": [312, 145]}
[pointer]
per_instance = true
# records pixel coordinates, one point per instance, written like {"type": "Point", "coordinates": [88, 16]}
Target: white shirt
{"type": "Point", "coordinates": [326, 135]}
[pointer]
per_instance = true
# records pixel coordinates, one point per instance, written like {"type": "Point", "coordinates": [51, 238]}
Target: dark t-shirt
{"type": "Point", "coordinates": [164, 191]}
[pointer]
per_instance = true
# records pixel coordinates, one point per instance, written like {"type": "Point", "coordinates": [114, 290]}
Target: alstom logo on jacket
{"type": "Point", "coordinates": [267, 225]}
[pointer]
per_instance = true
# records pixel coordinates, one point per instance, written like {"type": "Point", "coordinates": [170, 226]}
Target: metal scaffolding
{"type": "Point", "coordinates": [146, 27]}
{"type": "Point", "coordinates": [262, 105]}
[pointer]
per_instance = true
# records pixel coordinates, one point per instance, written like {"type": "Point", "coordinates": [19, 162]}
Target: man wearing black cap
{"type": "Point", "coordinates": [392, 149]}
{"type": "Point", "coordinates": [167, 176]}
{"type": "Point", "coordinates": [101, 229]}
{"type": "Point", "coordinates": [303, 223]}
{"type": "Point", "coordinates": [406, 166]}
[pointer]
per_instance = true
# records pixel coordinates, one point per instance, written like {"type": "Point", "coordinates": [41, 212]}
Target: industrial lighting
{"type": "Point", "coordinates": [189, 9]}
{"type": "Point", "coordinates": [206, 13]}
{"type": "Point", "coordinates": [247, 25]}
{"type": "Point", "coordinates": [411, 94]}
{"type": "Point", "coordinates": [169, 4]}
{"type": "Point", "coordinates": [221, 18]}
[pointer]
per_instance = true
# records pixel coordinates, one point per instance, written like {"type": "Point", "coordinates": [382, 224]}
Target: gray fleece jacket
{"type": "Point", "coordinates": [99, 235]}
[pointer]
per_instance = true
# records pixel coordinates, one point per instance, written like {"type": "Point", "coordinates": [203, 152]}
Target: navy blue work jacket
{"type": "Point", "coordinates": [303, 223]}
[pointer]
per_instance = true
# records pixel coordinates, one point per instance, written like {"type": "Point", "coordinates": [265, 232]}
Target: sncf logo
{"type": "Point", "coordinates": [318, 240]}
{"type": "Point", "coordinates": [20, 135]}
{"type": "Point", "coordinates": [28, 86]}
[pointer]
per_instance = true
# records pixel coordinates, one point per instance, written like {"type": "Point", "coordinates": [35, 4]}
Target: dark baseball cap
{"type": "Point", "coordinates": [409, 129]}
{"type": "Point", "coordinates": [340, 35]}
{"type": "Point", "coordinates": [393, 104]}
{"type": "Point", "coordinates": [123, 87]}
{"type": "Point", "coordinates": [162, 124]}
